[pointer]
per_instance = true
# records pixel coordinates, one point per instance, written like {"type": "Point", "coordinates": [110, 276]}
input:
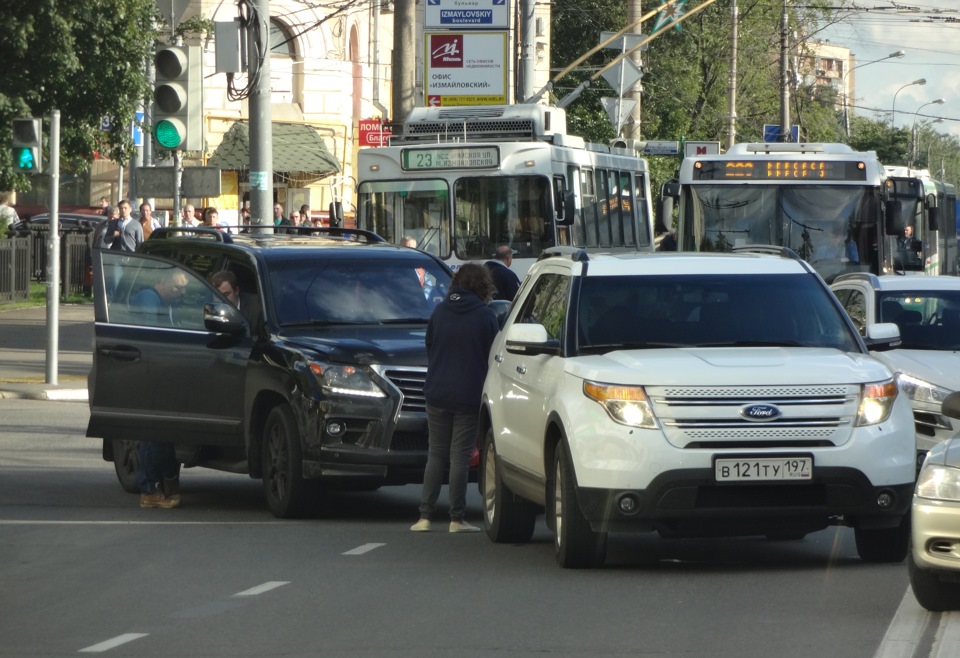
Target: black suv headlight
{"type": "Point", "coordinates": [345, 380]}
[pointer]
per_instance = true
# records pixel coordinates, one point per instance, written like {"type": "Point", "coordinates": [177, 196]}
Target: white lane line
{"type": "Point", "coordinates": [173, 522]}
{"type": "Point", "coordinates": [365, 548]}
{"type": "Point", "coordinates": [112, 643]}
{"type": "Point", "coordinates": [906, 630]}
{"type": "Point", "coordinates": [266, 587]}
{"type": "Point", "coordinates": [947, 644]}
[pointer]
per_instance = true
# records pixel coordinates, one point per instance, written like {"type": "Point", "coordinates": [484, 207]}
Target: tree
{"type": "Point", "coordinates": [83, 57]}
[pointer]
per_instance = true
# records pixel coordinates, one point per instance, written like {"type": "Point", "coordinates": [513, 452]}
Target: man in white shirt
{"type": "Point", "coordinates": [188, 218]}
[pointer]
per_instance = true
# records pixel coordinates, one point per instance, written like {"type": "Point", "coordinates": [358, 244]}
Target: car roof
{"type": "Point", "coordinates": [897, 283]}
{"type": "Point", "coordinates": [676, 263]}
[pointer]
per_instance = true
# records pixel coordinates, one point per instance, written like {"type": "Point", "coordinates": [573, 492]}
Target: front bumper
{"type": "Point", "coordinates": [691, 503]}
{"type": "Point", "coordinates": [935, 532]}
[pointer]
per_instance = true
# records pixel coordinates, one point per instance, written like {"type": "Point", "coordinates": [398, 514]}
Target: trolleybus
{"type": "Point", "coordinates": [824, 201]}
{"type": "Point", "coordinates": [928, 206]}
{"type": "Point", "coordinates": [464, 180]}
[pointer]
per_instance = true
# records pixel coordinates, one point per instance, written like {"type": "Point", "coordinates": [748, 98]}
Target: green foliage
{"type": "Point", "coordinates": [82, 57]}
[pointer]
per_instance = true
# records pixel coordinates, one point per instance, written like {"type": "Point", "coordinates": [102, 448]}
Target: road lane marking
{"type": "Point", "coordinates": [365, 548]}
{"type": "Point", "coordinates": [907, 630]}
{"type": "Point", "coordinates": [948, 637]}
{"type": "Point", "coordinates": [112, 643]}
{"type": "Point", "coordinates": [171, 522]}
{"type": "Point", "coordinates": [266, 587]}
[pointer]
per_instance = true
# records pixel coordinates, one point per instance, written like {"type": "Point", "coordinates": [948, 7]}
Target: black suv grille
{"type": "Point", "coordinates": [410, 381]}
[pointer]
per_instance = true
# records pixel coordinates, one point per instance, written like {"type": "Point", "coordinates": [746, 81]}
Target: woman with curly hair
{"type": "Point", "coordinates": [459, 335]}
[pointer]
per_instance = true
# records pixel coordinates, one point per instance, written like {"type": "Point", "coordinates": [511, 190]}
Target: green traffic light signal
{"type": "Point", "coordinates": [169, 134]}
{"type": "Point", "coordinates": [25, 159]}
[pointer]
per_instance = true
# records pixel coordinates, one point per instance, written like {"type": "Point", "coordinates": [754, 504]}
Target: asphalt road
{"type": "Point", "coordinates": [84, 569]}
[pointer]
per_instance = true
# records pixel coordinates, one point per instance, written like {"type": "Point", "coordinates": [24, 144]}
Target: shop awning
{"type": "Point", "coordinates": [297, 150]}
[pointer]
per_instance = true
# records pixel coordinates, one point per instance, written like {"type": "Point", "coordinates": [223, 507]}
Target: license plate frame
{"type": "Point", "coordinates": [740, 469]}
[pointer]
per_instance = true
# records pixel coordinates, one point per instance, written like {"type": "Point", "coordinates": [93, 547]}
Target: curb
{"type": "Point", "coordinates": [56, 394]}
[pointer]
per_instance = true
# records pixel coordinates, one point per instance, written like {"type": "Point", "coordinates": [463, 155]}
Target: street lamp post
{"type": "Point", "coordinates": [843, 83]}
{"type": "Point", "coordinates": [893, 111]}
{"type": "Point", "coordinates": [913, 131]}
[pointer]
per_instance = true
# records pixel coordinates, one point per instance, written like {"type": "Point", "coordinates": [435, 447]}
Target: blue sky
{"type": "Point", "coordinates": [929, 32]}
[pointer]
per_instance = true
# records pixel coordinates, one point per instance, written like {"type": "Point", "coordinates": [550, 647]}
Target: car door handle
{"type": "Point", "coordinates": [498, 358]}
{"type": "Point", "coordinates": [120, 352]}
{"type": "Point", "coordinates": [522, 369]}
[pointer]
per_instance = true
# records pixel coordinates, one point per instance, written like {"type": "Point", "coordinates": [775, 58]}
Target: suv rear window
{"type": "Point", "coordinates": [343, 291]}
{"type": "Point", "coordinates": [701, 310]}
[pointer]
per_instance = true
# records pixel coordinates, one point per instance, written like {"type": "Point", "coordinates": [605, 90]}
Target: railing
{"type": "Point", "coordinates": [31, 262]}
{"type": "Point", "coordinates": [14, 269]}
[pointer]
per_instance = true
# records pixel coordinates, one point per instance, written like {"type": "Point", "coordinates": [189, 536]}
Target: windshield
{"type": "Point", "coordinates": [834, 228]}
{"type": "Point", "coordinates": [339, 291]}
{"type": "Point", "coordinates": [399, 209]}
{"type": "Point", "coordinates": [514, 210]}
{"type": "Point", "coordinates": [928, 320]}
{"type": "Point", "coordinates": [696, 310]}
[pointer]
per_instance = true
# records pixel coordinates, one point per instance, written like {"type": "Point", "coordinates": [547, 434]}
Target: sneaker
{"type": "Point", "coordinates": [157, 499]}
{"type": "Point", "coordinates": [423, 525]}
{"type": "Point", "coordinates": [462, 526]}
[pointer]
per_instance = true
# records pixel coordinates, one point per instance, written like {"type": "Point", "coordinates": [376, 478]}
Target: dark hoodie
{"type": "Point", "coordinates": [459, 336]}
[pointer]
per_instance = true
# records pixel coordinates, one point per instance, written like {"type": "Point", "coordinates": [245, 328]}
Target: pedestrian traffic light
{"type": "Point", "coordinates": [178, 98]}
{"type": "Point", "coordinates": [27, 145]}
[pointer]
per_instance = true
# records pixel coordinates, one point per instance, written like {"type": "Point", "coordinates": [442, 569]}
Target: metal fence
{"type": "Point", "coordinates": [14, 269]}
{"type": "Point", "coordinates": [30, 261]}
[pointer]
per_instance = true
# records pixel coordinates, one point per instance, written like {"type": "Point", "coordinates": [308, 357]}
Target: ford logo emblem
{"type": "Point", "coordinates": [760, 413]}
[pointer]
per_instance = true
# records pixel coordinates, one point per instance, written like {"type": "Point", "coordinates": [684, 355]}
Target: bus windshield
{"type": "Point", "coordinates": [413, 208]}
{"type": "Point", "coordinates": [832, 227]}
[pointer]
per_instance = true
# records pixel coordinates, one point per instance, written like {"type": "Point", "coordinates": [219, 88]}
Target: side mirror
{"type": "Point", "coordinates": [569, 208]}
{"type": "Point", "coordinates": [223, 319]}
{"type": "Point", "coordinates": [933, 212]}
{"type": "Point", "coordinates": [951, 405]}
{"type": "Point", "coordinates": [893, 223]}
{"type": "Point", "coordinates": [530, 339]}
{"type": "Point", "coordinates": [882, 336]}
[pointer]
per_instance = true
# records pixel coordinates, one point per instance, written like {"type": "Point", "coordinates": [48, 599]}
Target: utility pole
{"type": "Point", "coordinates": [784, 81]}
{"type": "Point", "coordinates": [53, 253]}
{"type": "Point", "coordinates": [404, 61]}
{"type": "Point", "coordinates": [528, 34]}
{"type": "Point", "coordinates": [261, 118]}
{"type": "Point", "coordinates": [632, 128]}
{"type": "Point", "coordinates": [732, 91]}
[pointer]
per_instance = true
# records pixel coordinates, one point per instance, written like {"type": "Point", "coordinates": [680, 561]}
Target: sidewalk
{"type": "Point", "coordinates": [23, 353]}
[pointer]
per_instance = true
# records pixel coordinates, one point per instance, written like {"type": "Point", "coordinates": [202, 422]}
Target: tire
{"type": "Point", "coordinates": [932, 593]}
{"type": "Point", "coordinates": [576, 544]}
{"type": "Point", "coordinates": [506, 517]}
{"type": "Point", "coordinates": [884, 544]}
{"type": "Point", "coordinates": [125, 464]}
{"type": "Point", "coordinates": [288, 495]}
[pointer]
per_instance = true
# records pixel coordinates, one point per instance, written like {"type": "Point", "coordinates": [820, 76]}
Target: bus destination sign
{"type": "Point", "coordinates": [473, 157]}
{"type": "Point", "coordinates": [767, 169]}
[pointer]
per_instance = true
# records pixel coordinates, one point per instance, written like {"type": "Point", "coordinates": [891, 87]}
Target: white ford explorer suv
{"type": "Point", "coordinates": [696, 395]}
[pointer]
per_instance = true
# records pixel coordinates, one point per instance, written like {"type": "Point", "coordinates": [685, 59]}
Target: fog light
{"type": "Point", "coordinates": [336, 428]}
{"type": "Point", "coordinates": [628, 505]}
{"type": "Point", "coordinates": [885, 500]}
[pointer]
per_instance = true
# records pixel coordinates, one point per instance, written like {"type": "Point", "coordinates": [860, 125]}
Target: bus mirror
{"type": "Point", "coordinates": [893, 224]}
{"type": "Point", "coordinates": [569, 209]}
{"type": "Point", "coordinates": [670, 189]}
{"type": "Point", "coordinates": [558, 203]}
{"type": "Point", "coordinates": [665, 213]}
{"type": "Point", "coordinates": [933, 212]}
{"type": "Point", "coordinates": [336, 213]}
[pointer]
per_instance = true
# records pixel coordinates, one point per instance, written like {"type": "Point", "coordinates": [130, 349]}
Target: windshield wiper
{"type": "Point", "coordinates": [405, 321]}
{"type": "Point", "coordinates": [606, 347]}
{"type": "Point", "coordinates": [753, 343]}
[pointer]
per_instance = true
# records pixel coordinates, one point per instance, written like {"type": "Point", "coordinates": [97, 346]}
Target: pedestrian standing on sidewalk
{"type": "Point", "coordinates": [123, 233]}
{"type": "Point", "coordinates": [459, 335]}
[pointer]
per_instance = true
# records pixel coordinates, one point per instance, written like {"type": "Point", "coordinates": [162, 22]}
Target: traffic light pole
{"type": "Point", "coordinates": [261, 120]}
{"type": "Point", "coordinates": [53, 253]}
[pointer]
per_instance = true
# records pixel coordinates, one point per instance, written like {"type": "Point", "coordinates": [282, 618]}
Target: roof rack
{"type": "Point", "coordinates": [576, 254]}
{"type": "Point", "coordinates": [166, 232]}
{"type": "Point", "coordinates": [772, 249]}
{"type": "Point", "coordinates": [342, 232]}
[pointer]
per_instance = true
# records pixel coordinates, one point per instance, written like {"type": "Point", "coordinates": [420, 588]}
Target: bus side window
{"type": "Point", "coordinates": [589, 197]}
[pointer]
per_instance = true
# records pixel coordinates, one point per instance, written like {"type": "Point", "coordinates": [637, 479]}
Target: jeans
{"type": "Point", "coordinates": [156, 461]}
{"type": "Point", "coordinates": [453, 435]}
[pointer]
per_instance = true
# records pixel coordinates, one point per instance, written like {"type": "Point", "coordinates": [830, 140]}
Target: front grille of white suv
{"type": "Point", "coordinates": [710, 416]}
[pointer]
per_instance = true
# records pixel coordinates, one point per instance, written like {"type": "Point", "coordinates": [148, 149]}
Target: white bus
{"type": "Point", "coordinates": [929, 207]}
{"type": "Point", "coordinates": [824, 201]}
{"type": "Point", "coordinates": [464, 180]}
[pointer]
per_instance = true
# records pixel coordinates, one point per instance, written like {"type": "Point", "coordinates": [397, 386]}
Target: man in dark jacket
{"type": "Point", "coordinates": [505, 280]}
{"type": "Point", "coordinates": [459, 335]}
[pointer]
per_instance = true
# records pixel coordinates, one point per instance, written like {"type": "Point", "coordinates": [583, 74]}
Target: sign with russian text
{"type": "Point", "coordinates": [465, 68]}
{"type": "Point", "coordinates": [373, 133]}
{"type": "Point", "coordinates": [460, 14]}
{"type": "Point", "coordinates": [474, 157]}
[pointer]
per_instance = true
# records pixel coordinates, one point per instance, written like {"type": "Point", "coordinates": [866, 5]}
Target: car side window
{"type": "Point", "coordinates": [854, 303]}
{"type": "Point", "coordinates": [153, 293]}
{"type": "Point", "coordinates": [547, 304]}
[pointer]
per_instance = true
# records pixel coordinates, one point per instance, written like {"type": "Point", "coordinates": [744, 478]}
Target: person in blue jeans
{"type": "Point", "coordinates": [459, 335]}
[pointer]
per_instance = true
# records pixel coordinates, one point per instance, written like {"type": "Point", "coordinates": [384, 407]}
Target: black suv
{"type": "Point", "coordinates": [316, 377]}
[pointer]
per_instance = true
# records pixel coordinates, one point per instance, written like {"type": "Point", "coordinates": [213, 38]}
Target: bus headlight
{"type": "Point", "coordinates": [627, 405]}
{"type": "Point", "coordinates": [876, 402]}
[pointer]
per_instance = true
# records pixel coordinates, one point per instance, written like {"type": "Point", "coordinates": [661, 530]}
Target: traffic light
{"type": "Point", "coordinates": [178, 98]}
{"type": "Point", "coordinates": [27, 145]}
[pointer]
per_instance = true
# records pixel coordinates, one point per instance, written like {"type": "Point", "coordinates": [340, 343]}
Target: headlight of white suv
{"type": "Point", "coordinates": [345, 380]}
{"type": "Point", "coordinates": [921, 391]}
{"type": "Point", "coordinates": [876, 402]}
{"type": "Point", "coordinates": [627, 405]}
{"type": "Point", "coordinates": [939, 482]}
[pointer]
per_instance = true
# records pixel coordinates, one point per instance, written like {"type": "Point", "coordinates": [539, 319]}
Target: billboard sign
{"type": "Point", "coordinates": [461, 14]}
{"type": "Point", "coordinates": [467, 68]}
{"type": "Point", "coordinates": [373, 133]}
